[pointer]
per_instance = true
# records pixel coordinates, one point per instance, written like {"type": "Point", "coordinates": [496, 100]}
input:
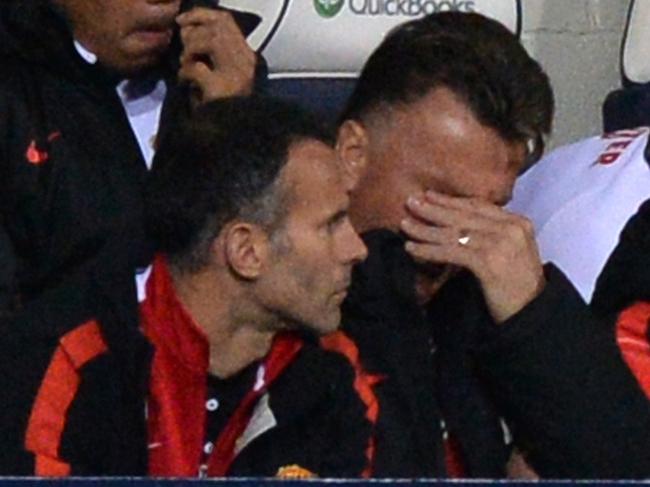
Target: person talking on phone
{"type": "Point", "coordinates": [87, 89]}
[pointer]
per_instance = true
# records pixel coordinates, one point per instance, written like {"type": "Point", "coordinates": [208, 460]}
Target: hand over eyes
{"type": "Point", "coordinates": [498, 247]}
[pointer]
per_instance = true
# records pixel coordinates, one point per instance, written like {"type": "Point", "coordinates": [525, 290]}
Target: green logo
{"type": "Point", "coordinates": [328, 8]}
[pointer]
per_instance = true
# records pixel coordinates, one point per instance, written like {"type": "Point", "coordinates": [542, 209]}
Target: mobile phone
{"type": "Point", "coordinates": [246, 21]}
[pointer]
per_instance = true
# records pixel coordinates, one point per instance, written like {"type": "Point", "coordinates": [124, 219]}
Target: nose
{"type": "Point", "coordinates": [354, 250]}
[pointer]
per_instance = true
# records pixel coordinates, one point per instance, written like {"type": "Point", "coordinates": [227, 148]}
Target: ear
{"type": "Point", "coordinates": [352, 147]}
{"type": "Point", "coordinates": [246, 249]}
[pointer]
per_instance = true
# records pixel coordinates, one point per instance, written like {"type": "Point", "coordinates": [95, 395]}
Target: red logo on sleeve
{"type": "Point", "coordinates": [36, 155]}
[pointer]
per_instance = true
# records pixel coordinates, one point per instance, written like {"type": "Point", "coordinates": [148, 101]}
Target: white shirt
{"type": "Point", "coordinates": [142, 102]}
{"type": "Point", "coordinates": [579, 198]}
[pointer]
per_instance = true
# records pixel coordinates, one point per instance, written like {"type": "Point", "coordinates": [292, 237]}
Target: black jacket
{"type": "Point", "coordinates": [320, 420]}
{"type": "Point", "coordinates": [594, 392]}
{"type": "Point", "coordinates": [553, 371]}
{"type": "Point", "coordinates": [71, 172]}
{"type": "Point", "coordinates": [626, 275]}
{"type": "Point", "coordinates": [396, 341]}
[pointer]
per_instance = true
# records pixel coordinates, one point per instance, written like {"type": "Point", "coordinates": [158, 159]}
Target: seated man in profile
{"type": "Point", "coordinates": [212, 371]}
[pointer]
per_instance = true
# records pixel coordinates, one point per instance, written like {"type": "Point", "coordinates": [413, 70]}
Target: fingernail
{"type": "Point", "coordinates": [410, 246]}
{"type": "Point", "coordinates": [405, 222]}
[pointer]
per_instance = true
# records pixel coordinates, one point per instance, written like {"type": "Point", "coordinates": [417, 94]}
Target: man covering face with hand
{"type": "Point", "coordinates": [452, 318]}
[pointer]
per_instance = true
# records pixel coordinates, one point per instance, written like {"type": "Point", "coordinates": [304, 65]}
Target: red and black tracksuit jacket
{"type": "Point", "coordinates": [78, 389]}
{"type": "Point", "coordinates": [624, 284]}
{"type": "Point", "coordinates": [554, 372]}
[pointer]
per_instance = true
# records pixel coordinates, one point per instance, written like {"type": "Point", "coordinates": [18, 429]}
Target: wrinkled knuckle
{"type": "Point", "coordinates": [515, 231]}
{"type": "Point", "coordinates": [526, 223]}
{"type": "Point", "coordinates": [422, 234]}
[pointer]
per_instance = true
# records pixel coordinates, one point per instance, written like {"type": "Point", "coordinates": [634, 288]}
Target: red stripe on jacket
{"type": "Point", "coordinates": [285, 348]}
{"type": "Point", "coordinates": [57, 391]}
{"type": "Point", "coordinates": [632, 339]}
{"type": "Point", "coordinates": [363, 384]}
{"type": "Point", "coordinates": [176, 418]}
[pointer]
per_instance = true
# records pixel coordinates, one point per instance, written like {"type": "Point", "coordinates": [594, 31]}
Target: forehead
{"type": "Point", "coordinates": [312, 177]}
{"type": "Point", "coordinates": [441, 125]}
{"type": "Point", "coordinates": [438, 137]}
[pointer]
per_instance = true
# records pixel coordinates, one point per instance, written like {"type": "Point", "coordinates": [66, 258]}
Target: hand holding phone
{"type": "Point", "coordinates": [216, 60]}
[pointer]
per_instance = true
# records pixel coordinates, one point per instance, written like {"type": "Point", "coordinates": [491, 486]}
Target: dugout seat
{"type": "Point", "coordinates": [629, 106]}
{"type": "Point", "coordinates": [316, 48]}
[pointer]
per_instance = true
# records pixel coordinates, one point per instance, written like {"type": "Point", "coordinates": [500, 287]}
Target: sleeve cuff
{"type": "Point", "coordinates": [558, 301]}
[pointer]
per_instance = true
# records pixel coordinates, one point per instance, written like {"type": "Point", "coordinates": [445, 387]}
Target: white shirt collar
{"type": "Point", "coordinates": [142, 102]}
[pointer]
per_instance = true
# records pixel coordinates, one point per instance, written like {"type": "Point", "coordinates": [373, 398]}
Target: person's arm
{"type": "Point", "coordinates": [558, 374]}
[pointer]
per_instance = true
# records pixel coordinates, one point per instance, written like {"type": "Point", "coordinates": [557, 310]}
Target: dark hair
{"type": "Point", "coordinates": [475, 57]}
{"type": "Point", "coordinates": [222, 163]}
